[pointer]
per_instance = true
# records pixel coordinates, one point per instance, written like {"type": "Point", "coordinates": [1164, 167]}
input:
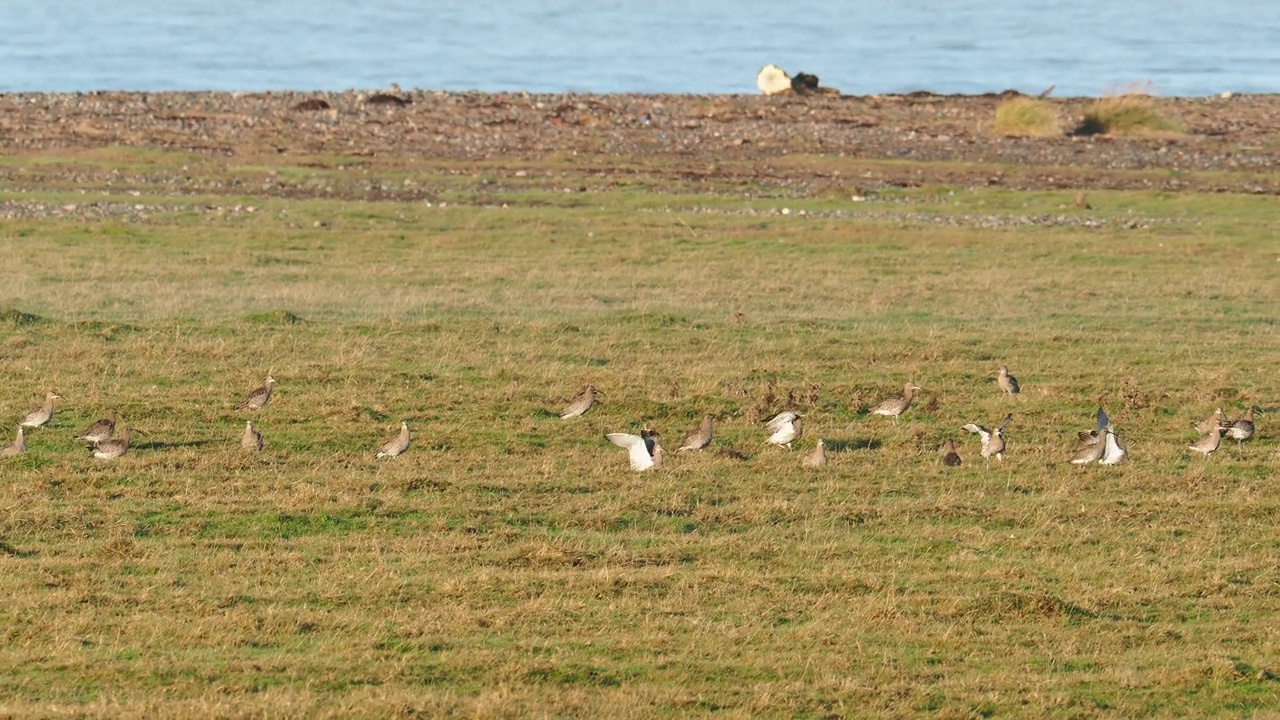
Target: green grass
{"type": "Point", "coordinates": [509, 564]}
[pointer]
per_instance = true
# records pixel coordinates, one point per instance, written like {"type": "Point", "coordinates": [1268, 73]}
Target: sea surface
{"type": "Point", "coordinates": [1083, 47]}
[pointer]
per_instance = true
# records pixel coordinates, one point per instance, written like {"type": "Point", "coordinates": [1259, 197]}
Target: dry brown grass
{"type": "Point", "coordinates": [1130, 113]}
{"type": "Point", "coordinates": [509, 564]}
{"type": "Point", "coordinates": [1029, 117]}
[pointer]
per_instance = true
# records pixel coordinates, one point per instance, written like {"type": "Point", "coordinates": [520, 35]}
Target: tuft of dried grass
{"type": "Point", "coordinates": [1026, 117]}
{"type": "Point", "coordinates": [1133, 113]}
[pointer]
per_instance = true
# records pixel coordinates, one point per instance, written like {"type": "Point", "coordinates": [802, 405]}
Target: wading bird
{"type": "Point", "coordinates": [41, 415]}
{"type": "Point", "coordinates": [992, 440]}
{"type": "Point", "coordinates": [251, 440]}
{"type": "Point", "coordinates": [1215, 420]}
{"type": "Point", "coordinates": [397, 444]}
{"type": "Point", "coordinates": [1209, 443]}
{"type": "Point", "coordinates": [115, 447]}
{"type": "Point", "coordinates": [1241, 428]}
{"type": "Point", "coordinates": [816, 457]}
{"type": "Point", "coordinates": [1008, 383]}
{"type": "Point", "coordinates": [784, 428]}
{"type": "Point", "coordinates": [580, 404]}
{"type": "Point", "coordinates": [950, 457]}
{"type": "Point", "coordinates": [101, 430]}
{"type": "Point", "coordinates": [893, 407]}
{"type": "Point", "coordinates": [699, 438]}
{"type": "Point", "coordinates": [17, 447]}
{"type": "Point", "coordinates": [643, 449]}
{"type": "Point", "coordinates": [259, 397]}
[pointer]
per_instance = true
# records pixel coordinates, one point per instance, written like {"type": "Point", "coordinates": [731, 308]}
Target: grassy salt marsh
{"type": "Point", "coordinates": [510, 564]}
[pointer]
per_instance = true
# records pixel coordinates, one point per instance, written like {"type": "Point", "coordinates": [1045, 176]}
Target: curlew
{"type": "Point", "coordinates": [992, 440]}
{"type": "Point", "coordinates": [100, 430]}
{"type": "Point", "coordinates": [1101, 445]}
{"type": "Point", "coordinates": [251, 440]}
{"type": "Point", "coordinates": [115, 447]}
{"type": "Point", "coordinates": [699, 438]}
{"type": "Point", "coordinates": [397, 444]}
{"type": "Point", "coordinates": [1207, 444]}
{"type": "Point", "coordinates": [1215, 420]}
{"type": "Point", "coordinates": [893, 407]}
{"type": "Point", "coordinates": [816, 457]}
{"type": "Point", "coordinates": [1008, 383]}
{"type": "Point", "coordinates": [950, 457]}
{"type": "Point", "coordinates": [17, 447]}
{"type": "Point", "coordinates": [41, 415]}
{"type": "Point", "coordinates": [259, 397]}
{"type": "Point", "coordinates": [784, 428]}
{"type": "Point", "coordinates": [1241, 428]}
{"type": "Point", "coordinates": [1089, 453]}
{"type": "Point", "coordinates": [1114, 451]}
{"type": "Point", "coordinates": [580, 404]}
{"type": "Point", "coordinates": [643, 450]}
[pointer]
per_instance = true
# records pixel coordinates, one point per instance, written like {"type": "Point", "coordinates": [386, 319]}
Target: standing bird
{"type": "Point", "coordinates": [950, 457]}
{"type": "Point", "coordinates": [397, 444]}
{"type": "Point", "coordinates": [699, 438]}
{"type": "Point", "coordinates": [893, 407]}
{"type": "Point", "coordinates": [816, 457]}
{"type": "Point", "coordinates": [992, 440]}
{"type": "Point", "coordinates": [115, 447]}
{"type": "Point", "coordinates": [1207, 444]}
{"type": "Point", "coordinates": [643, 449]}
{"type": "Point", "coordinates": [41, 415]}
{"type": "Point", "coordinates": [784, 428]}
{"type": "Point", "coordinates": [101, 430]}
{"type": "Point", "coordinates": [1241, 428]}
{"type": "Point", "coordinates": [251, 440]}
{"type": "Point", "coordinates": [1008, 383]}
{"type": "Point", "coordinates": [260, 397]}
{"type": "Point", "coordinates": [17, 447]}
{"type": "Point", "coordinates": [1209, 423]}
{"type": "Point", "coordinates": [580, 404]}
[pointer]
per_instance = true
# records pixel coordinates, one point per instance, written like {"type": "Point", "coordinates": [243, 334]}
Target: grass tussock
{"type": "Point", "coordinates": [1027, 117]}
{"type": "Point", "coordinates": [14, 316]}
{"type": "Point", "coordinates": [1128, 114]}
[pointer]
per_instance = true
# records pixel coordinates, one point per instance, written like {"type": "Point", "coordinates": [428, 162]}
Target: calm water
{"type": "Point", "coordinates": [1085, 47]}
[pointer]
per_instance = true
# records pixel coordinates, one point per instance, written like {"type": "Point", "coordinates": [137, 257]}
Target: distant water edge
{"type": "Point", "coordinates": [1086, 48]}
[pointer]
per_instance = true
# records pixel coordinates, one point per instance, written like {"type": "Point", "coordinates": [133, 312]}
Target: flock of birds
{"type": "Point", "coordinates": [104, 444]}
{"type": "Point", "coordinates": [1100, 445]}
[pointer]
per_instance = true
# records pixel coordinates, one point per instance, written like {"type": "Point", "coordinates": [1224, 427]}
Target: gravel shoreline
{"type": "Point", "coordinates": [1229, 146]}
